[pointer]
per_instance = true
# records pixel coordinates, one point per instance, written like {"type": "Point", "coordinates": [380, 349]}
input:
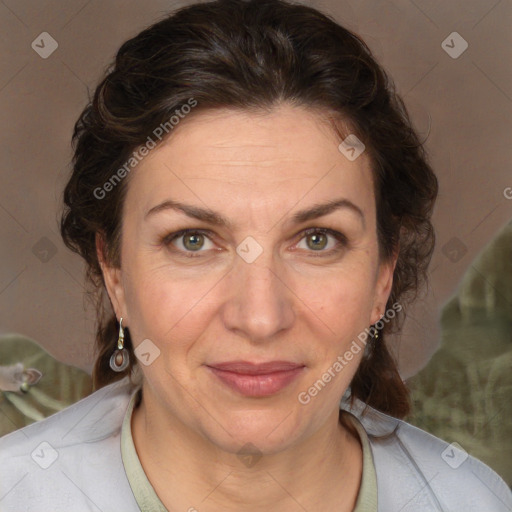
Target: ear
{"type": "Point", "coordinates": [113, 280]}
{"type": "Point", "coordinates": [383, 286]}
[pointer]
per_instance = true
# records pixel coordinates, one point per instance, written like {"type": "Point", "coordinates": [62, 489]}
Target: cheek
{"type": "Point", "coordinates": [173, 310]}
{"type": "Point", "coordinates": [342, 300]}
{"type": "Point", "coordinates": [167, 311]}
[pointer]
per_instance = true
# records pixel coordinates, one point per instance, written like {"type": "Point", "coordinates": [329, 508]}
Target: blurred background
{"type": "Point", "coordinates": [451, 63]}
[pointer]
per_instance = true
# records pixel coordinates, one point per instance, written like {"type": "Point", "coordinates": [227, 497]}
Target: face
{"type": "Point", "coordinates": [252, 280]}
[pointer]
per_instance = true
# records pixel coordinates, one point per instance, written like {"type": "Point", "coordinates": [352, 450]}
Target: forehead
{"type": "Point", "coordinates": [288, 153]}
{"type": "Point", "coordinates": [285, 133]}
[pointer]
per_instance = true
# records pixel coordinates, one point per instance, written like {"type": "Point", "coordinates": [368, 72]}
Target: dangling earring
{"type": "Point", "coordinates": [376, 335]}
{"type": "Point", "coordinates": [120, 358]}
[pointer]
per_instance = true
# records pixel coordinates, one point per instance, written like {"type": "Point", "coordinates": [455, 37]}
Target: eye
{"type": "Point", "coordinates": [191, 241]}
{"type": "Point", "coordinates": [319, 240]}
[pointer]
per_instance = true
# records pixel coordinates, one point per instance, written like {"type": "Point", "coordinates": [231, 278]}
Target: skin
{"type": "Point", "coordinates": [291, 303]}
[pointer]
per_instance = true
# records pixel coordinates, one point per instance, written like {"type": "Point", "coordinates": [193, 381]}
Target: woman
{"type": "Point", "coordinates": [249, 192]}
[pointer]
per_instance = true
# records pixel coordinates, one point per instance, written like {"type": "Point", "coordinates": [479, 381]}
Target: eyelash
{"type": "Point", "coordinates": [342, 239]}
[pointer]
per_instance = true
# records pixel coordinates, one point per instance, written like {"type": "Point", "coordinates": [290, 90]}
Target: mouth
{"type": "Point", "coordinates": [256, 380]}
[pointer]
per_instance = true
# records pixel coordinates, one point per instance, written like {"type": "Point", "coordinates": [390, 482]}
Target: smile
{"type": "Point", "coordinates": [256, 380]}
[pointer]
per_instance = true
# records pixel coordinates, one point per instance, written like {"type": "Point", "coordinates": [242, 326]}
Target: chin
{"type": "Point", "coordinates": [264, 431]}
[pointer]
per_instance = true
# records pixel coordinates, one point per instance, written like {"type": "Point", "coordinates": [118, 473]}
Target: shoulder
{"type": "Point", "coordinates": [418, 471]}
{"type": "Point", "coordinates": [76, 423]}
{"type": "Point", "coordinates": [69, 456]}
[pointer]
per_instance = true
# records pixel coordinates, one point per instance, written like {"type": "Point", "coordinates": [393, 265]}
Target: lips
{"type": "Point", "coordinates": [256, 380]}
{"type": "Point", "coordinates": [248, 368]}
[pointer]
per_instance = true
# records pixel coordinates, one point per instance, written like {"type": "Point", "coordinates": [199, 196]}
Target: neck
{"type": "Point", "coordinates": [187, 471]}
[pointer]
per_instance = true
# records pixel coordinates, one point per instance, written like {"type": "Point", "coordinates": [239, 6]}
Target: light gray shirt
{"type": "Point", "coordinates": [72, 461]}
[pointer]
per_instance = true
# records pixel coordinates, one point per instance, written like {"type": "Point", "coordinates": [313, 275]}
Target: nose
{"type": "Point", "coordinates": [260, 301]}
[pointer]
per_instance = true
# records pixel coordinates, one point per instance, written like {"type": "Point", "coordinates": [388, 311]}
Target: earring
{"type": "Point", "coordinates": [120, 358]}
{"type": "Point", "coordinates": [376, 333]}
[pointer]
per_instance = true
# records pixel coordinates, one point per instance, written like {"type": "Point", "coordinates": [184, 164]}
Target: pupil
{"type": "Point", "coordinates": [194, 239]}
{"type": "Point", "coordinates": [316, 236]}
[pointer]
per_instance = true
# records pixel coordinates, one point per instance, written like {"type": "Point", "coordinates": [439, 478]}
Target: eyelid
{"type": "Point", "coordinates": [340, 237]}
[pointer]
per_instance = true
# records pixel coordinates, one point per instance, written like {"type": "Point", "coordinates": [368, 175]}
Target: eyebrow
{"type": "Point", "coordinates": [211, 217]}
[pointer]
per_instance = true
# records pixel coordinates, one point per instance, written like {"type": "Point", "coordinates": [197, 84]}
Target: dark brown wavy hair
{"type": "Point", "coordinates": [252, 55]}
